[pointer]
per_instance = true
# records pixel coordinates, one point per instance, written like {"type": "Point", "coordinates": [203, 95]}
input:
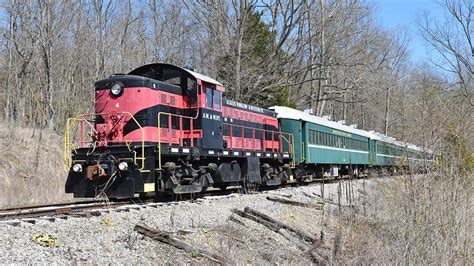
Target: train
{"type": "Point", "coordinates": [164, 129]}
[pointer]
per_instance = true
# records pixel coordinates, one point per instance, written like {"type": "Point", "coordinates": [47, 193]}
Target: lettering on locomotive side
{"type": "Point", "coordinates": [244, 106]}
{"type": "Point", "coordinates": [341, 133]}
{"type": "Point", "coordinates": [211, 116]}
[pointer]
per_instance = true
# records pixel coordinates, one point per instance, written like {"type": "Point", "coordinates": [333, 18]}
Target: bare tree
{"type": "Point", "coordinates": [453, 39]}
{"type": "Point", "coordinates": [51, 20]}
{"type": "Point", "coordinates": [20, 50]}
{"type": "Point", "coordinates": [327, 55]}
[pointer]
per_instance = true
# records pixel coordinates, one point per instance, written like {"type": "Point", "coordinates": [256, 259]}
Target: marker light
{"type": "Point", "coordinates": [77, 168]}
{"type": "Point", "coordinates": [123, 166]}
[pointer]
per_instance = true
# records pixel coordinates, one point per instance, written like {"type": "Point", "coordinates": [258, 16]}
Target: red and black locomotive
{"type": "Point", "coordinates": [166, 129]}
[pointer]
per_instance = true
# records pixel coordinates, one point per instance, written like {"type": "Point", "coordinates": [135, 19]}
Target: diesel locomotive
{"type": "Point", "coordinates": [163, 128]}
{"type": "Point", "coordinates": [166, 129]}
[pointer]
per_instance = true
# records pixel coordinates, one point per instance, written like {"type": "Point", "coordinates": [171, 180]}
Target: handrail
{"type": "Point", "coordinates": [68, 147]}
{"type": "Point", "coordinates": [170, 127]}
{"type": "Point", "coordinates": [302, 151]}
{"type": "Point", "coordinates": [198, 107]}
{"type": "Point", "coordinates": [291, 144]}
{"type": "Point", "coordinates": [73, 122]}
{"type": "Point", "coordinates": [279, 133]}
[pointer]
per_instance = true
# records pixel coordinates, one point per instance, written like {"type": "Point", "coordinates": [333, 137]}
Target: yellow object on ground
{"type": "Point", "coordinates": [45, 240]}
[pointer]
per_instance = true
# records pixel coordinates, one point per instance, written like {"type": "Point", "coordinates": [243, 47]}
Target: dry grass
{"type": "Point", "coordinates": [425, 220]}
{"type": "Point", "coordinates": [31, 169]}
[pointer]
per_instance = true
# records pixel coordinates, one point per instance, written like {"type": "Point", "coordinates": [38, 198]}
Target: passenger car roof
{"type": "Point", "coordinates": [290, 113]}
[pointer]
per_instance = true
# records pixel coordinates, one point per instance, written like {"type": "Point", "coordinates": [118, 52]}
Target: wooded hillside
{"type": "Point", "coordinates": [329, 55]}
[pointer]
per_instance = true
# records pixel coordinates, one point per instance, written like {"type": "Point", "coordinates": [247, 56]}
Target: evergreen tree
{"type": "Point", "coordinates": [255, 51]}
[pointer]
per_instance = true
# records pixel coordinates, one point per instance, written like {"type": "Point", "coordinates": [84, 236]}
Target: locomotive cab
{"type": "Point", "coordinates": [211, 119]}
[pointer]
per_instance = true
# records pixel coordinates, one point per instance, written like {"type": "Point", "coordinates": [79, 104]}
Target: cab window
{"type": "Point", "coordinates": [213, 99]}
{"type": "Point", "coordinates": [208, 97]}
{"type": "Point", "coordinates": [217, 100]}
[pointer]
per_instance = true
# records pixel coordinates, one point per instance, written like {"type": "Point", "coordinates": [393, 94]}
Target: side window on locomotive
{"type": "Point", "coordinates": [217, 100]}
{"type": "Point", "coordinates": [191, 85]}
{"type": "Point", "coordinates": [213, 99]}
{"type": "Point", "coordinates": [208, 97]}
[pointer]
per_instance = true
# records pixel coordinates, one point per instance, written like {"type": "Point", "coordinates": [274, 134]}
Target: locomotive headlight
{"type": "Point", "coordinates": [77, 168]}
{"type": "Point", "coordinates": [116, 89]}
{"type": "Point", "coordinates": [123, 166]}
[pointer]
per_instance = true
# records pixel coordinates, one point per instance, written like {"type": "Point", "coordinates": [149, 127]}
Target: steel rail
{"type": "Point", "coordinates": [81, 209]}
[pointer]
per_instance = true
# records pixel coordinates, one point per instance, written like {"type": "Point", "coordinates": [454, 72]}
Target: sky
{"type": "Point", "coordinates": [393, 14]}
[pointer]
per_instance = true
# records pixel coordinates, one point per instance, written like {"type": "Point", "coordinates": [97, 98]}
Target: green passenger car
{"type": "Point", "coordinates": [332, 146]}
{"type": "Point", "coordinates": [324, 147]}
{"type": "Point", "coordinates": [322, 142]}
{"type": "Point", "coordinates": [318, 144]}
{"type": "Point", "coordinates": [389, 154]}
{"type": "Point", "coordinates": [392, 155]}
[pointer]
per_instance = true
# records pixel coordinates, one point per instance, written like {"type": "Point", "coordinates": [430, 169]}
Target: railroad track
{"type": "Point", "coordinates": [56, 211]}
{"type": "Point", "coordinates": [52, 212]}
{"type": "Point", "coordinates": [30, 214]}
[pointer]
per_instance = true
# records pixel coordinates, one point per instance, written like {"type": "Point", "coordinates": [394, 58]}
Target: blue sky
{"type": "Point", "coordinates": [392, 14]}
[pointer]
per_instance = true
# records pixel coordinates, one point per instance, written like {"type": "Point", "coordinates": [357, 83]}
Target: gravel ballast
{"type": "Point", "coordinates": [110, 238]}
